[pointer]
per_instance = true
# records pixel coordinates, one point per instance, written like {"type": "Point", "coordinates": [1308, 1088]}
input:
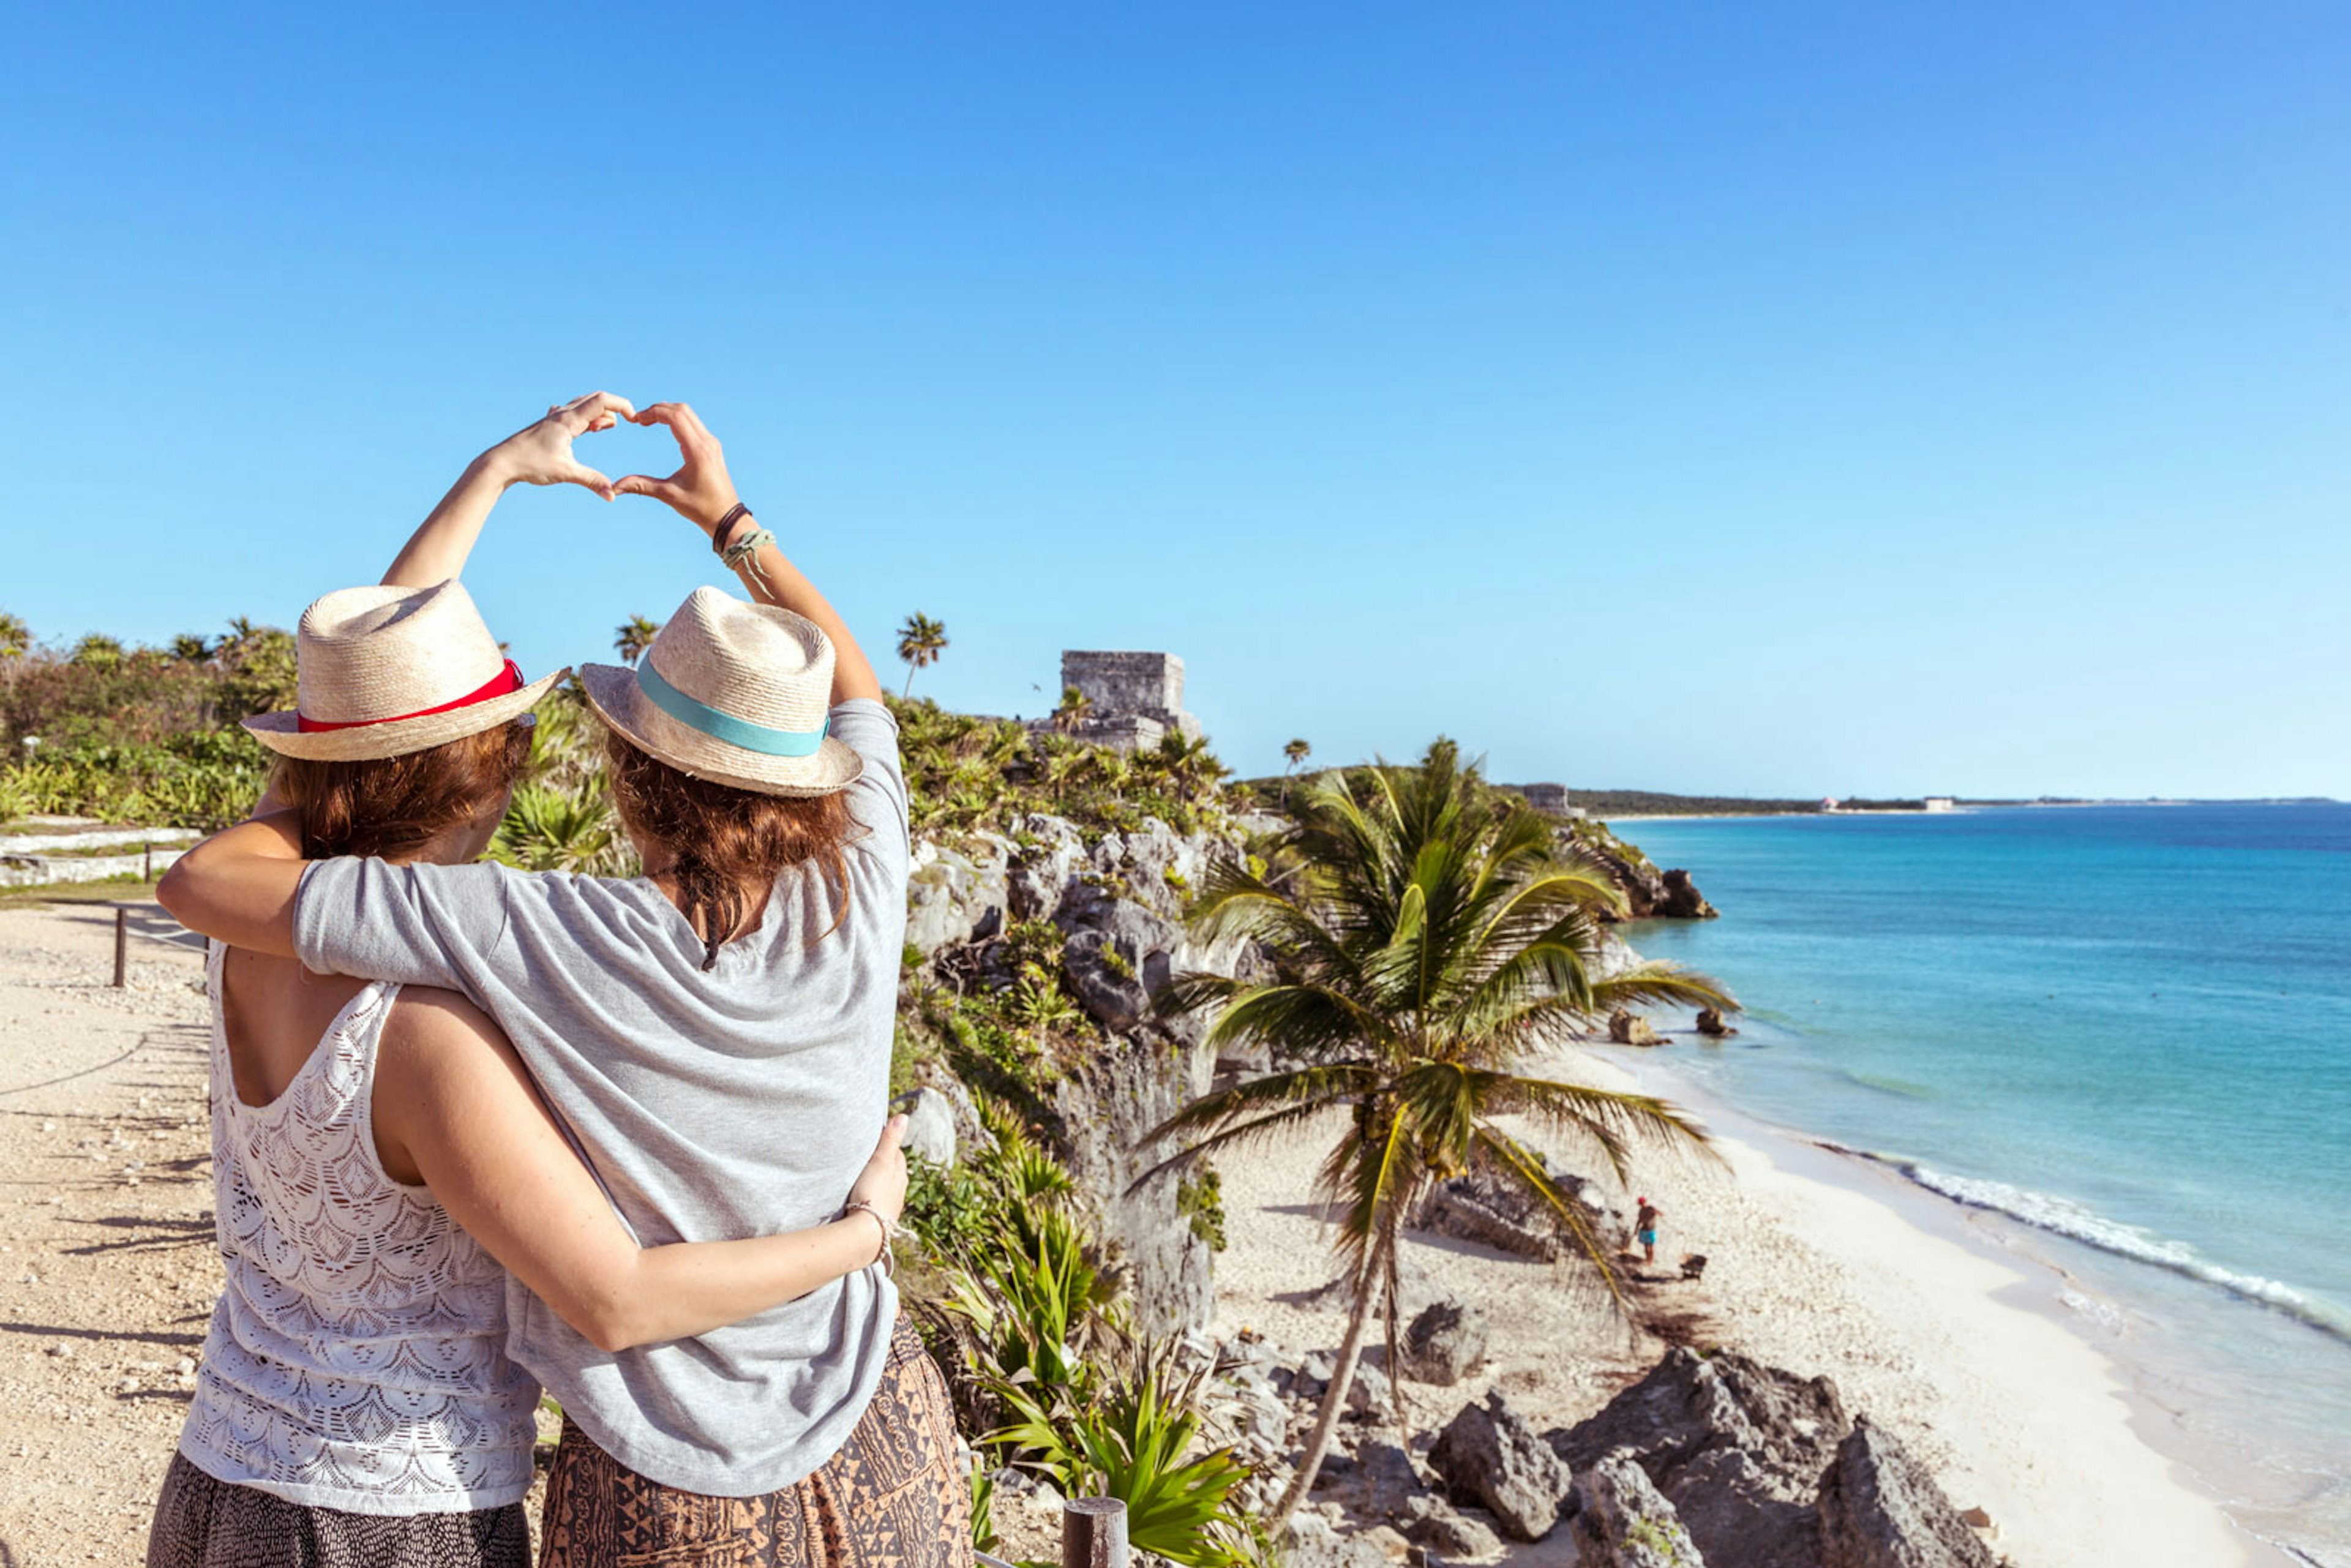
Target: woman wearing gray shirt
{"type": "Point", "coordinates": [710, 1033]}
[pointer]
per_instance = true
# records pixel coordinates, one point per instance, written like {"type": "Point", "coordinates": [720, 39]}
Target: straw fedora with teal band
{"type": "Point", "coordinates": [738, 694]}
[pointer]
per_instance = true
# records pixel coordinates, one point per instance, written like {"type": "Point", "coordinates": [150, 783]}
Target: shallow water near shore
{"type": "Point", "coordinates": [2123, 1030]}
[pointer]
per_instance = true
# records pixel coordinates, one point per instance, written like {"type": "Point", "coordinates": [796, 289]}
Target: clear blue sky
{"type": "Point", "coordinates": [1714, 398]}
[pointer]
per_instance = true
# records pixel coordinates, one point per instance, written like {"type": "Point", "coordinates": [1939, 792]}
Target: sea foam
{"type": "Point", "coordinates": [2063, 1216]}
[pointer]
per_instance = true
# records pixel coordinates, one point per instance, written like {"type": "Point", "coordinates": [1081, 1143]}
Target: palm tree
{"type": "Point", "coordinates": [1296, 752]}
{"type": "Point", "coordinates": [15, 637]}
{"type": "Point", "coordinates": [1438, 936]}
{"type": "Point", "coordinates": [921, 641]}
{"type": "Point", "coordinates": [1075, 707]}
{"type": "Point", "coordinates": [99, 650]}
{"type": "Point", "coordinates": [631, 637]}
{"type": "Point", "coordinates": [192, 648]}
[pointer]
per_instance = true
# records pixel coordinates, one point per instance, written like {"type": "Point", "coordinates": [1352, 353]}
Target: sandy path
{"type": "Point", "coordinates": [108, 1270]}
{"type": "Point", "coordinates": [1807, 1272]}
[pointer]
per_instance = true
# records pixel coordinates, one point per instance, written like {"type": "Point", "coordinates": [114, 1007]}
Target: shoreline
{"type": "Point", "coordinates": [2148, 1478]}
{"type": "Point", "coordinates": [1815, 1264]}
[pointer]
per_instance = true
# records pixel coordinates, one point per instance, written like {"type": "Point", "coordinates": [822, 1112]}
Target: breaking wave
{"type": "Point", "coordinates": [2063, 1216]}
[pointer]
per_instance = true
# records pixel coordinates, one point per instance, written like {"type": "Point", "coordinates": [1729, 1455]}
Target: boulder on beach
{"type": "Point", "coordinates": [1484, 1206]}
{"type": "Point", "coordinates": [1737, 1447]}
{"type": "Point", "coordinates": [1489, 1456]}
{"type": "Point", "coordinates": [1445, 1343]}
{"type": "Point", "coordinates": [1435, 1524]}
{"type": "Point", "coordinates": [1621, 1520]}
{"type": "Point", "coordinates": [1710, 1024]}
{"type": "Point", "coordinates": [1626, 1027]}
{"type": "Point", "coordinates": [1880, 1508]}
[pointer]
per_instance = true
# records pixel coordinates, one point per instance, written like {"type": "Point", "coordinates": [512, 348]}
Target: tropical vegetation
{"type": "Point", "coordinates": [1428, 937]}
{"type": "Point", "coordinates": [1048, 1371]}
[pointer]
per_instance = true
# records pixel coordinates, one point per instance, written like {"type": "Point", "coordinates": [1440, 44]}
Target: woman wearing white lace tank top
{"type": "Point", "coordinates": [380, 1152]}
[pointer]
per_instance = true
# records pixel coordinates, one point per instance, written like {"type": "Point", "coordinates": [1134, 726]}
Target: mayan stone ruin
{"type": "Point", "coordinates": [1133, 699]}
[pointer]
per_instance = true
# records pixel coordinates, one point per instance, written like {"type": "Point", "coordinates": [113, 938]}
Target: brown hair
{"type": "Point", "coordinates": [729, 845]}
{"type": "Point", "coordinates": [396, 805]}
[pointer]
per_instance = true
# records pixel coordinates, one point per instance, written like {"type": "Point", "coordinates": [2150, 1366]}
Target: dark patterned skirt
{"type": "Point", "coordinates": [894, 1497]}
{"type": "Point", "coordinates": [201, 1522]}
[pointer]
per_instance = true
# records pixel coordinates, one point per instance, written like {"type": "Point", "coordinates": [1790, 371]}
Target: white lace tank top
{"type": "Point", "coordinates": [356, 1360]}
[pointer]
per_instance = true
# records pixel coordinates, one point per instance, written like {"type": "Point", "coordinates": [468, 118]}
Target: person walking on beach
{"type": "Point", "coordinates": [710, 1032]}
{"type": "Point", "coordinates": [378, 1154]}
{"type": "Point", "coordinates": [1644, 1229]}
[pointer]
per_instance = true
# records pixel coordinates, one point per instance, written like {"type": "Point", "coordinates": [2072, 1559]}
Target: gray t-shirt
{"type": "Point", "coordinates": [711, 1106]}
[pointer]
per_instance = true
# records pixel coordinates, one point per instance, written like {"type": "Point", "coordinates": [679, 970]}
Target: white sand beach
{"type": "Point", "coordinates": [1807, 1272]}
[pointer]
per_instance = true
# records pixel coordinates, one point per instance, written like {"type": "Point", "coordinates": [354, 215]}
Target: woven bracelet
{"type": "Point", "coordinates": [889, 1256]}
{"type": "Point", "coordinates": [744, 548]}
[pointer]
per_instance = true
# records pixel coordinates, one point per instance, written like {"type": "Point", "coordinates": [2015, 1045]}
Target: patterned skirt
{"type": "Point", "coordinates": [894, 1497]}
{"type": "Point", "coordinates": [201, 1522]}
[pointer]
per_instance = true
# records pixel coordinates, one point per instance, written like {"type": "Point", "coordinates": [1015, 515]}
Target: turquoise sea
{"type": "Point", "coordinates": [2124, 1029]}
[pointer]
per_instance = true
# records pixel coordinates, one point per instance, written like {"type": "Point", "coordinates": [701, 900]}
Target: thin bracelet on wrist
{"type": "Point", "coordinates": [887, 1257]}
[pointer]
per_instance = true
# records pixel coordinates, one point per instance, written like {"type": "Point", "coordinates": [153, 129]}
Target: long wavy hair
{"type": "Point", "coordinates": [394, 806]}
{"type": "Point", "coordinates": [729, 845]}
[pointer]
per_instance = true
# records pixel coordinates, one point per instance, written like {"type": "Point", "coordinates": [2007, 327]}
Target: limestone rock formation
{"type": "Point", "coordinates": [1736, 1447]}
{"type": "Point", "coordinates": [1437, 1525]}
{"type": "Point", "coordinates": [1483, 1206]}
{"type": "Point", "coordinates": [1648, 892]}
{"type": "Point", "coordinates": [930, 1125]}
{"type": "Point", "coordinates": [1710, 1024]}
{"type": "Point", "coordinates": [1444, 1344]}
{"type": "Point", "coordinates": [1623, 1521]}
{"type": "Point", "coordinates": [956, 894]}
{"type": "Point", "coordinates": [1682, 900]}
{"type": "Point", "coordinates": [1315, 1542]}
{"type": "Point", "coordinates": [1489, 1456]}
{"type": "Point", "coordinates": [1626, 1027]}
{"type": "Point", "coordinates": [1879, 1508]}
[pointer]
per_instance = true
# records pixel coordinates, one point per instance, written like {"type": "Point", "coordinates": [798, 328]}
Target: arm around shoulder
{"type": "Point", "coordinates": [455, 1109]}
{"type": "Point", "coordinates": [239, 886]}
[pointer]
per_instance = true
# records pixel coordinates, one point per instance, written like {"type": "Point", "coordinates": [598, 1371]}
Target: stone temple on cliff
{"type": "Point", "coordinates": [1133, 699]}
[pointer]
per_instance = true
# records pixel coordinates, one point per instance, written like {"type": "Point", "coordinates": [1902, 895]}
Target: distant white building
{"type": "Point", "coordinates": [1941, 803]}
{"type": "Point", "coordinates": [1831, 803]}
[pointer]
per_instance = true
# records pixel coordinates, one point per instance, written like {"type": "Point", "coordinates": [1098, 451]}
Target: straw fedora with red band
{"type": "Point", "coordinates": [382, 672]}
{"type": "Point", "coordinates": [737, 693]}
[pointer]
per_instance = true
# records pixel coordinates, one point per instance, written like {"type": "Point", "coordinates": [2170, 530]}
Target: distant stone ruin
{"type": "Point", "coordinates": [1552, 798]}
{"type": "Point", "coordinates": [1133, 699]}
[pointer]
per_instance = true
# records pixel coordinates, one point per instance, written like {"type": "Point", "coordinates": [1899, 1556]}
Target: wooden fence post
{"type": "Point", "coordinates": [121, 947]}
{"type": "Point", "coordinates": [1093, 1533]}
{"type": "Point", "coordinates": [148, 872]}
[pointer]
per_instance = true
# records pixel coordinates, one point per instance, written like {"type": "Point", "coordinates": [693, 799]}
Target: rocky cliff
{"type": "Point", "coordinates": [1106, 910]}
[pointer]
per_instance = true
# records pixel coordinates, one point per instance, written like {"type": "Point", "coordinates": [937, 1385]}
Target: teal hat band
{"type": "Point", "coordinates": [725, 726]}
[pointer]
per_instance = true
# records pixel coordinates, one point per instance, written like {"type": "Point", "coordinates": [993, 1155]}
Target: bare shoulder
{"type": "Point", "coordinates": [442, 1034]}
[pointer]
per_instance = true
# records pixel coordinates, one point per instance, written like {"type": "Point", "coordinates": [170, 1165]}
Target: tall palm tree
{"type": "Point", "coordinates": [1296, 752]}
{"type": "Point", "coordinates": [631, 637]}
{"type": "Point", "coordinates": [1435, 936]}
{"type": "Point", "coordinates": [921, 641]}
{"type": "Point", "coordinates": [15, 637]}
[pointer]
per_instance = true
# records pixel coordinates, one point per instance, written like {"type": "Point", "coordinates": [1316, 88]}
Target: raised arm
{"type": "Point", "coordinates": [702, 491]}
{"type": "Point", "coordinates": [538, 454]}
{"type": "Point", "coordinates": [454, 1109]}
